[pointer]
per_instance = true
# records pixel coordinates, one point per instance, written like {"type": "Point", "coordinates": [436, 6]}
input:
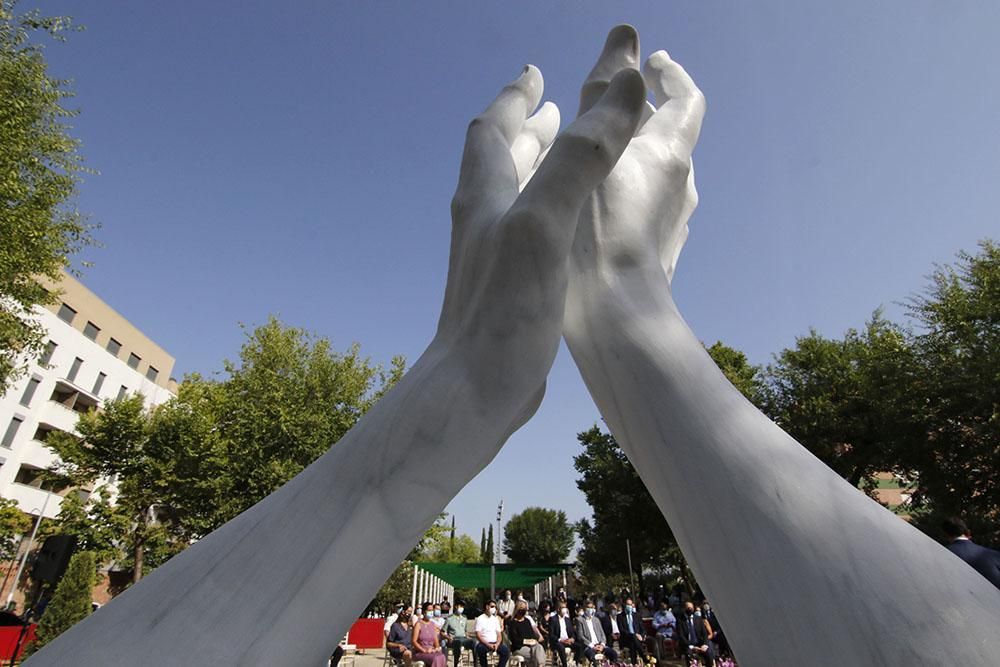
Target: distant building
{"type": "Point", "coordinates": [92, 354]}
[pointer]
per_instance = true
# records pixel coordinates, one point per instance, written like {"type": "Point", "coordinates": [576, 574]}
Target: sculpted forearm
{"type": "Point", "coordinates": [769, 530]}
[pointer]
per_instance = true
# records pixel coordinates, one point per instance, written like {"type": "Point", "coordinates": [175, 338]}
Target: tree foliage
{"type": "Point", "coordinates": [187, 466]}
{"type": "Point", "coordinates": [622, 509]}
{"type": "Point", "coordinates": [957, 344]}
{"type": "Point", "coordinates": [71, 602]}
{"type": "Point", "coordinates": [286, 401]}
{"type": "Point", "coordinates": [923, 403]}
{"type": "Point", "coordinates": [98, 524]}
{"type": "Point", "coordinates": [13, 524]}
{"type": "Point", "coordinates": [538, 535]}
{"type": "Point", "coordinates": [740, 372]}
{"type": "Point", "coordinates": [850, 401]}
{"type": "Point", "coordinates": [40, 168]}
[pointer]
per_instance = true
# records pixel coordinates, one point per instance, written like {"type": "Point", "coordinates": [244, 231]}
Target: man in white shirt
{"type": "Point", "coordinates": [488, 632]}
{"type": "Point", "coordinates": [506, 605]}
{"type": "Point", "coordinates": [562, 635]}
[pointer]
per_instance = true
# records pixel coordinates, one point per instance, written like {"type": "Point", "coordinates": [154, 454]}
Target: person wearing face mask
{"type": "Point", "coordinates": [610, 624]}
{"type": "Point", "coordinates": [455, 634]}
{"type": "Point", "coordinates": [425, 639]}
{"type": "Point", "coordinates": [391, 618]}
{"type": "Point", "coordinates": [399, 642]}
{"type": "Point", "coordinates": [437, 618]}
{"type": "Point", "coordinates": [665, 624]}
{"type": "Point", "coordinates": [591, 635]}
{"type": "Point", "coordinates": [525, 639]}
{"type": "Point", "coordinates": [692, 635]}
{"type": "Point", "coordinates": [488, 631]}
{"type": "Point", "coordinates": [506, 606]}
{"type": "Point", "coordinates": [633, 633]}
{"type": "Point", "coordinates": [562, 634]}
{"type": "Point", "coordinates": [718, 638]}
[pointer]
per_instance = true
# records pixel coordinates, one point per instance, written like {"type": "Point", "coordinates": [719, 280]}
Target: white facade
{"type": "Point", "coordinates": [79, 376]}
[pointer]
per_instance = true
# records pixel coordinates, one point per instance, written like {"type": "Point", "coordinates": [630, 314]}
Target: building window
{"type": "Point", "coordinates": [35, 477]}
{"type": "Point", "coordinates": [29, 392]}
{"type": "Point", "coordinates": [43, 431]}
{"type": "Point", "coordinates": [133, 360]}
{"type": "Point", "coordinates": [50, 349]}
{"type": "Point", "coordinates": [91, 331]}
{"type": "Point", "coordinates": [8, 436]}
{"type": "Point", "coordinates": [74, 369]}
{"type": "Point", "coordinates": [98, 383]}
{"type": "Point", "coordinates": [66, 314]}
{"type": "Point", "coordinates": [122, 391]}
{"type": "Point", "coordinates": [114, 347]}
{"type": "Point", "coordinates": [151, 374]}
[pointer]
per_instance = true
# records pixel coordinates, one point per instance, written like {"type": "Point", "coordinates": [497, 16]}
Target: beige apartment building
{"type": "Point", "coordinates": [92, 354]}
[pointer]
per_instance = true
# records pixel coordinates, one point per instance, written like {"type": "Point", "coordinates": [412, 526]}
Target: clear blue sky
{"type": "Point", "coordinates": [298, 158]}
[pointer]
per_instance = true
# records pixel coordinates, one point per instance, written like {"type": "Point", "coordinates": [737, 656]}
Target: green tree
{"type": "Point", "coordinates": [126, 442]}
{"type": "Point", "coordinates": [622, 509]}
{"type": "Point", "coordinates": [851, 401]}
{"type": "Point", "coordinates": [13, 524]}
{"type": "Point", "coordinates": [538, 535]}
{"type": "Point", "coordinates": [738, 370]}
{"type": "Point", "coordinates": [97, 524]}
{"type": "Point", "coordinates": [40, 168]}
{"type": "Point", "coordinates": [71, 602]}
{"type": "Point", "coordinates": [482, 547]}
{"type": "Point", "coordinates": [288, 399]}
{"type": "Point", "coordinates": [957, 344]}
{"type": "Point", "coordinates": [490, 553]}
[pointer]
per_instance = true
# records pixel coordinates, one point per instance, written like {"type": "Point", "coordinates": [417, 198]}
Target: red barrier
{"type": "Point", "coordinates": [367, 633]}
{"type": "Point", "coordinates": [9, 635]}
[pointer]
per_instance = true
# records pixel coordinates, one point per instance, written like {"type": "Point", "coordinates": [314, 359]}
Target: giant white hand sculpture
{"type": "Point", "coordinates": [802, 568]}
{"type": "Point", "coordinates": [281, 583]}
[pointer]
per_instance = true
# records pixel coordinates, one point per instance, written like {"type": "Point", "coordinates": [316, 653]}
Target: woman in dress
{"type": "Point", "coordinates": [426, 646]}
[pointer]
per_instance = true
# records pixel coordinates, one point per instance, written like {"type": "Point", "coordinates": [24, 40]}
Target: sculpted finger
{"type": "Point", "coordinates": [515, 103]}
{"type": "Point", "coordinates": [579, 160]}
{"type": "Point", "coordinates": [535, 137]}
{"type": "Point", "coordinates": [487, 168]}
{"type": "Point", "coordinates": [621, 51]}
{"type": "Point", "coordinates": [681, 105]}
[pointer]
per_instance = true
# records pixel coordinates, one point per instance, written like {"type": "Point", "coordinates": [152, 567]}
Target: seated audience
{"type": "Point", "coordinates": [562, 634]}
{"type": "Point", "coordinates": [425, 639]}
{"type": "Point", "coordinates": [591, 635]}
{"type": "Point", "coordinates": [692, 635]}
{"type": "Point", "coordinates": [455, 632]}
{"type": "Point", "coordinates": [400, 640]}
{"type": "Point", "coordinates": [525, 639]}
{"type": "Point", "coordinates": [633, 633]}
{"type": "Point", "coordinates": [488, 632]}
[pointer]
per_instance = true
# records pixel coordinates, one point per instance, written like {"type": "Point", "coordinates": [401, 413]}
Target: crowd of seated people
{"type": "Point", "coordinates": [611, 630]}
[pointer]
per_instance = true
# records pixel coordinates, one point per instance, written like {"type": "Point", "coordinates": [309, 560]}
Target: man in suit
{"type": "Point", "coordinates": [562, 634]}
{"type": "Point", "coordinates": [692, 635]}
{"type": "Point", "coordinates": [610, 624]}
{"type": "Point", "coordinates": [633, 632]}
{"type": "Point", "coordinates": [985, 561]}
{"type": "Point", "coordinates": [591, 635]}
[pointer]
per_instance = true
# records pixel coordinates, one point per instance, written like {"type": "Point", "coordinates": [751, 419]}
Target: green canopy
{"type": "Point", "coordinates": [477, 575]}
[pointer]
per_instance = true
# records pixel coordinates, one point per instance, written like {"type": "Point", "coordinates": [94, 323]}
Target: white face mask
{"type": "Point", "coordinates": [490, 611]}
{"type": "Point", "coordinates": [459, 610]}
{"type": "Point", "coordinates": [565, 613]}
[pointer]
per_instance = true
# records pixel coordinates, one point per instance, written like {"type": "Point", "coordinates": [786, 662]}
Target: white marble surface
{"type": "Point", "coordinates": [802, 568]}
{"type": "Point", "coordinates": [281, 583]}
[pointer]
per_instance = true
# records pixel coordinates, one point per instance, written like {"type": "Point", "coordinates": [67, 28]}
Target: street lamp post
{"type": "Point", "coordinates": [31, 541]}
{"type": "Point", "coordinates": [495, 555]}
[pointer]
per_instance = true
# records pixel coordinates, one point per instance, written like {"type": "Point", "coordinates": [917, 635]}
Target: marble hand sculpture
{"type": "Point", "coordinates": [802, 568]}
{"type": "Point", "coordinates": [279, 584]}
